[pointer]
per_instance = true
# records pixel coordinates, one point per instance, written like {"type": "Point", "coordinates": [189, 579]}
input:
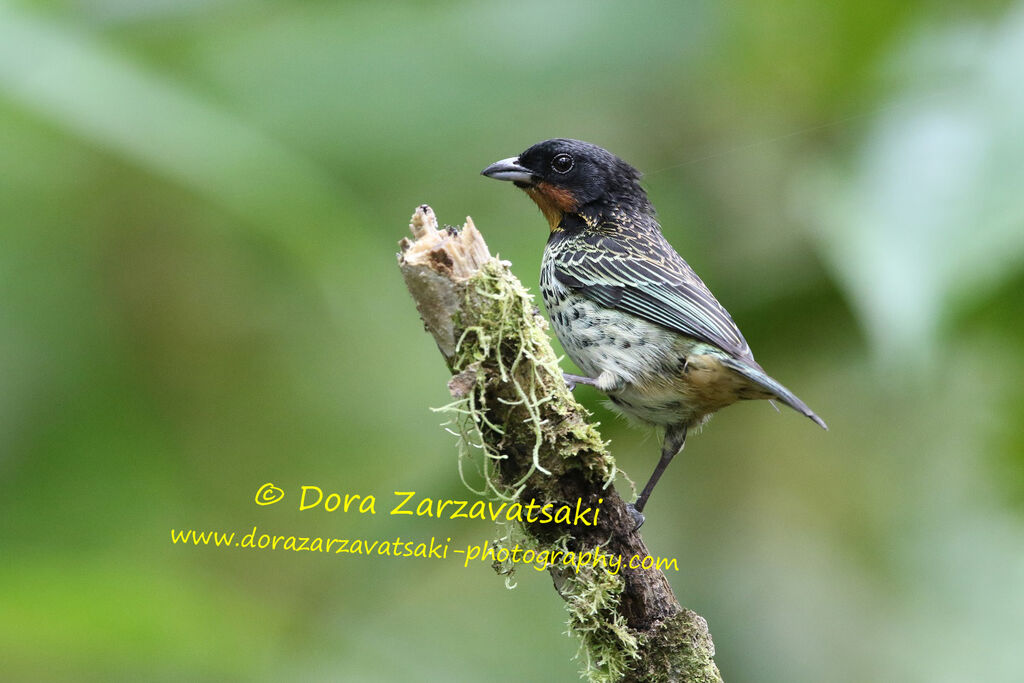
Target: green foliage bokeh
{"type": "Point", "coordinates": [199, 210]}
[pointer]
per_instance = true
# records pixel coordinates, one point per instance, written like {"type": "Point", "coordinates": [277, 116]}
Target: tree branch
{"type": "Point", "coordinates": [538, 445]}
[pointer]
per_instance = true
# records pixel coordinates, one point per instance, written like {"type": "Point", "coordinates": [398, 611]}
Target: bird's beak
{"type": "Point", "coordinates": [509, 169]}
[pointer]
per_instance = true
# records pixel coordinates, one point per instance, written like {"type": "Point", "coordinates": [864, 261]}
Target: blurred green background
{"type": "Point", "coordinates": [200, 206]}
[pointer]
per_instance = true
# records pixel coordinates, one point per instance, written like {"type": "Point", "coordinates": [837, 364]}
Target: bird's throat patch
{"type": "Point", "coordinates": [554, 202]}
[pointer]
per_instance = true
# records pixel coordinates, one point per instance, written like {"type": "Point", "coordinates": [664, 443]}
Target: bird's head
{"type": "Point", "coordinates": [566, 176]}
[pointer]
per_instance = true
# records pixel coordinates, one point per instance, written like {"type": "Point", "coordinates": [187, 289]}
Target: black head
{"type": "Point", "coordinates": [569, 176]}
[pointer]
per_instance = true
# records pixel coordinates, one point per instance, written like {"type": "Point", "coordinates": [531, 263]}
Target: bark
{"type": "Point", "coordinates": [539, 445]}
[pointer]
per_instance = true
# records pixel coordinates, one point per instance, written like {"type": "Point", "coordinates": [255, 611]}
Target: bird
{"type": "Point", "coordinates": [626, 307]}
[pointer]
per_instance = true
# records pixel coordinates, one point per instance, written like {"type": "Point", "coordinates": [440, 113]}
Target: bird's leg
{"type": "Point", "coordinates": [675, 439]}
{"type": "Point", "coordinates": [606, 382]}
{"type": "Point", "coordinates": [572, 380]}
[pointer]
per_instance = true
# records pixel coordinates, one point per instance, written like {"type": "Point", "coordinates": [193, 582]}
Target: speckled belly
{"type": "Point", "coordinates": [668, 378]}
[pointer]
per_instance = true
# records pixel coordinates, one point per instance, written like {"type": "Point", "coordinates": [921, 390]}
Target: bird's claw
{"type": "Point", "coordinates": [570, 381]}
{"type": "Point", "coordinates": [638, 517]}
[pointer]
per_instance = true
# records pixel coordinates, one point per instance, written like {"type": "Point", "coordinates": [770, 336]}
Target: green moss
{"type": "Point", "coordinates": [607, 645]}
{"type": "Point", "coordinates": [507, 337]}
{"type": "Point", "coordinates": [504, 340]}
{"type": "Point", "coordinates": [679, 640]}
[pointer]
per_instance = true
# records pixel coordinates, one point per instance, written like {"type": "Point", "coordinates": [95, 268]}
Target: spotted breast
{"type": "Point", "coordinates": [666, 378]}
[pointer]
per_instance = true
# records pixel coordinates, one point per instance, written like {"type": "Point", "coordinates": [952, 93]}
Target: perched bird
{"type": "Point", "coordinates": [629, 311]}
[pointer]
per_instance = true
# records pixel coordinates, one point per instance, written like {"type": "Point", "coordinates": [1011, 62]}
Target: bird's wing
{"type": "Point", "coordinates": [643, 275]}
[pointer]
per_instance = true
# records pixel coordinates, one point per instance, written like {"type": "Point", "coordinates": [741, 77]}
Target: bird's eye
{"type": "Point", "coordinates": [562, 163]}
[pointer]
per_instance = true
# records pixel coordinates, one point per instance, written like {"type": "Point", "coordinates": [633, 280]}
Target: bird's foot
{"type": "Point", "coordinates": [606, 382]}
{"type": "Point", "coordinates": [572, 380]}
{"type": "Point", "coordinates": [638, 517]}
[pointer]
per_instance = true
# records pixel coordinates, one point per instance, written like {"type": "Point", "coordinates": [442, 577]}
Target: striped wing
{"type": "Point", "coordinates": [643, 275]}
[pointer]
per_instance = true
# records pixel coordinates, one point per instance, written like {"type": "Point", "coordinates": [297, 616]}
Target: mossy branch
{"type": "Point", "coordinates": [513, 407]}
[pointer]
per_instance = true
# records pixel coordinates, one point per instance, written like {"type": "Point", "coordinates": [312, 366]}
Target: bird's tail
{"type": "Point", "coordinates": [758, 377]}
